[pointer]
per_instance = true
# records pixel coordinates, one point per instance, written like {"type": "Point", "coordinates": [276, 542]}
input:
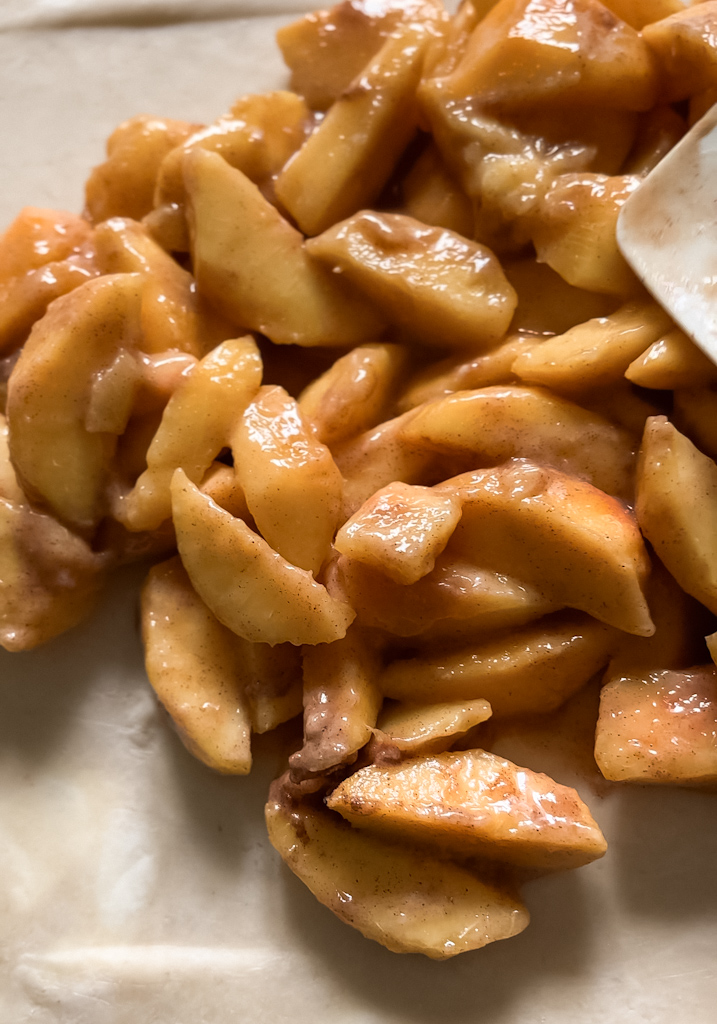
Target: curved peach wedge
{"type": "Point", "coordinates": [249, 587]}
{"type": "Point", "coordinates": [473, 803]}
{"type": "Point", "coordinates": [531, 671]}
{"type": "Point", "coordinates": [578, 546]}
{"type": "Point", "coordinates": [56, 457]}
{"type": "Point", "coordinates": [193, 665]}
{"type": "Point", "coordinates": [404, 898]}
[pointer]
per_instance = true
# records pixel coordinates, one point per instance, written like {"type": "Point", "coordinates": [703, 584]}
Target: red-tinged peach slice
{"type": "Point", "coordinates": [661, 728]}
{"type": "Point", "coordinates": [473, 803]}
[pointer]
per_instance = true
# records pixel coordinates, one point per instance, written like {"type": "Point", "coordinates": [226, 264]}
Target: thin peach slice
{"type": "Point", "coordinates": [531, 671]}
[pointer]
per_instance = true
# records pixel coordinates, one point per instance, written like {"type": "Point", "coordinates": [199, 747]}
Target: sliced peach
{"type": "Point", "coordinates": [400, 531]}
{"type": "Point", "coordinates": [398, 895]}
{"type": "Point", "coordinates": [171, 314]}
{"type": "Point", "coordinates": [680, 623]}
{"type": "Point", "coordinates": [473, 803]}
{"type": "Point", "coordinates": [196, 425]}
{"type": "Point", "coordinates": [684, 45]}
{"type": "Point", "coordinates": [326, 50]}
{"type": "Point", "coordinates": [444, 288]}
{"type": "Point", "coordinates": [450, 375]}
{"type": "Point", "coordinates": [272, 683]}
{"type": "Point", "coordinates": [695, 413]}
{"type": "Point", "coordinates": [574, 231]}
{"type": "Point", "coordinates": [429, 728]}
{"type": "Point", "coordinates": [56, 457]}
{"type": "Point", "coordinates": [353, 395]}
{"type": "Point", "coordinates": [378, 457]}
{"type": "Point", "coordinates": [531, 671]}
{"type": "Point", "coordinates": [673, 361]}
{"type": "Point", "coordinates": [661, 728]}
{"type": "Point", "coordinates": [37, 237]}
{"type": "Point", "coordinates": [123, 186]}
{"type": "Point", "coordinates": [579, 547]}
{"type": "Point", "coordinates": [677, 508]}
{"type": "Point", "coordinates": [498, 423]}
{"type": "Point", "coordinates": [258, 136]}
{"type": "Point", "coordinates": [24, 299]}
{"type": "Point", "coordinates": [193, 665]}
{"type": "Point", "coordinates": [252, 265]}
{"type": "Point", "coordinates": [346, 161]}
{"type": "Point", "coordinates": [292, 486]}
{"type": "Point", "coordinates": [596, 353]}
{"type": "Point", "coordinates": [432, 195]}
{"type": "Point", "coordinates": [49, 577]}
{"type": "Point", "coordinates": [249, 587]}
{"type": "Point", "coordinates": [455, 597]}
{"type": "Point", "coordinates": [572, 51]}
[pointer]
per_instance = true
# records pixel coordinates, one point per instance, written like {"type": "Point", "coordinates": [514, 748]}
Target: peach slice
{"type": "Point", "coordinates": [443, 288]}
{"type": "Point", "coordinates": [354, 394]}
{"type": "Point", "coordinates": [400, 531]}
{"type": "Point", "coordinates": [499, 423]}
{"type": "Point", "coordinates": [685, 50]}
{"type": "Point", "coordinates": [673, 361]}
{"type": "Point", "coordinates": [401, 896]}
{"type": "Point", "coordinates": [661, 728]}
{"type": "Point", "coordinates": [531, 671]}
{"type": "Point", "coordinates": [677, 508]}
{"type": "Point", "coordinates": [252, 266]}
{"type": "Point", "coordinates": [249, 587]}
{"type": "Point", "coordinates": [576, 52]}
{"type": "Point", "coordinates": [473, 803]}
{"type": "Point", "coordinates": [196, 424]}
{"type": "Point", "coordinates": [596, 353]}
{"type": "Point", "coordinates": [193, 665]}
{"type": "Point", "coordinates": [455, 596]}
{"type": "Point", "coordinates": [123, 186]}
{"type": "Point", "coordinates": [429, 728]}
{"type": "Point", "coordinates": [292, 486]}
{"type": "Point", "coordinates": [579, 547]}
{"type": "Point", "coordinates": [49, 393]}
{"type": "Point", "coordinates": [348, 158]}
{"type": "Point", "coordinates": [341, 703]}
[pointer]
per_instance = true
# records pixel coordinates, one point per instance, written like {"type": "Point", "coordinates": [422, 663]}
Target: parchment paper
{"type": "Point", "coordinates": [139, 887]}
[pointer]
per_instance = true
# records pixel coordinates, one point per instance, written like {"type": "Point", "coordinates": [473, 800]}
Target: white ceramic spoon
{"type": "Point", "coordinates": [667, 231]}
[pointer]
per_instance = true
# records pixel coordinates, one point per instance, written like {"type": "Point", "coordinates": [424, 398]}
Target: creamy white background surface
{"type": "Point", "coordinates": [139, 887]}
